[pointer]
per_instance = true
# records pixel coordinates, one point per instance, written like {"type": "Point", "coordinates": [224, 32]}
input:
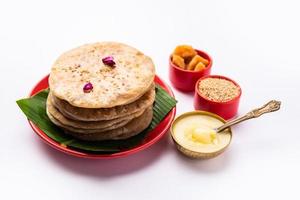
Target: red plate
{"type": "Point", "coordinates": [149, 140]}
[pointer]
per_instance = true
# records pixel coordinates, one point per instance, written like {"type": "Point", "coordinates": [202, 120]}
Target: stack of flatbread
{"type": "Point", "coordinates": [95, 100]}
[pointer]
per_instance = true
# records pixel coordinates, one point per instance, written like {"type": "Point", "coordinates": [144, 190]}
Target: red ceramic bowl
{"type": "Point", "coordinates": [185, 80]}
{"type": "Point", "coordinates": [226, 109]}
{"type": "Point", "coordinates": [151, 138]}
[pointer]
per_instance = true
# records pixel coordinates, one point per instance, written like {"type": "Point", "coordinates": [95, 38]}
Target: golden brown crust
{"type": "Point", "coordinates": [133, 128]}
{"type": "Point", "coordinates": [84, 126]}
{"type": "Point", "coordinates": [89, 114]}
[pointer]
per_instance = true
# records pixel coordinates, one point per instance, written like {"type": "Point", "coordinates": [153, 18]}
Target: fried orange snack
{"type": "Point", "coordinates": [203, 60]}
{"type": "Point", "coordinates": [195, 60]}
{"type": "Point", "coordinates": [185, 51]}
{"type": "Point", "coordinates": [178, 61]}
{"type": "Point", "coordinates": [200, 66]}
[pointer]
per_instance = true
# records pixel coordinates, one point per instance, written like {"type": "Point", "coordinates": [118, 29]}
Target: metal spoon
{"type": "Point", "coordinates": [271, 106]}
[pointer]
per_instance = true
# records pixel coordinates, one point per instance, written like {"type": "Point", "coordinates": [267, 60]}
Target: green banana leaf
{"type": "Point", "coordinates": [35, 110]}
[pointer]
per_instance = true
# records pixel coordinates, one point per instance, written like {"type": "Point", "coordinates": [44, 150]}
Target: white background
{"type": "Point", "coordinates": [255, 43]}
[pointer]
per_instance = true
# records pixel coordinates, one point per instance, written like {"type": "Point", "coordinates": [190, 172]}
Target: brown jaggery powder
{"type": "Point", "coordinates": [218, 89]}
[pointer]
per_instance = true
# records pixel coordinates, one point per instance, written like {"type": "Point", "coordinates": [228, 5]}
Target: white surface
{"type": "Point", "coordinates": [256, 43]}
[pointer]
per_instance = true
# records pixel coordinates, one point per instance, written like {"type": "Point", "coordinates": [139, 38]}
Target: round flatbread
{"type": "Point", "coordinates": [89, 114]}
{"type": "Point", "coordinates": [103, 125]}
{"type": "Point", "coordinates": [123, 83]}
{"type": "Point", "coordinates": [133, 128]}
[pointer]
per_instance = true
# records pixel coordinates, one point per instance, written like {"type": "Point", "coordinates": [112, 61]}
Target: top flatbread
{"type": "Point", "coordinates": [131, 77]}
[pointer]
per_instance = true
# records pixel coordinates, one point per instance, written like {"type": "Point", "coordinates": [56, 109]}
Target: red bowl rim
{"type": "Point", "coordinates": [208, 57]}
{"type": "Point", "coordinates": [221, 77]}
{"type": "Point", "coordinates": [77, 153]}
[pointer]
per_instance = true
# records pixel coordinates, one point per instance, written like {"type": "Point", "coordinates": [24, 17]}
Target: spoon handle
{"type": "Point", "coordinates": [271, 106]}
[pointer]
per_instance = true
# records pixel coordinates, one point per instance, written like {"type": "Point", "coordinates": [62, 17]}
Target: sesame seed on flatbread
{"type": "Point", "coordinates": [124, 83]}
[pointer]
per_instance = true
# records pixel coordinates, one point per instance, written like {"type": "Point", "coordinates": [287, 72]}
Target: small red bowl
{"type": "Point", "coordinates": [226, 109]}
{"type": "Point", "coordinates": [185, 80]}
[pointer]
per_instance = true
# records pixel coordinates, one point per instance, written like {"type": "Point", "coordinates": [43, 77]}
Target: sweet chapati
{"type": "Point", "coordinates": [125, 82]}
{"type": "Point", "coordinates": [104, 124]}
{"type": "Point", "coordinates": [89, 114]}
